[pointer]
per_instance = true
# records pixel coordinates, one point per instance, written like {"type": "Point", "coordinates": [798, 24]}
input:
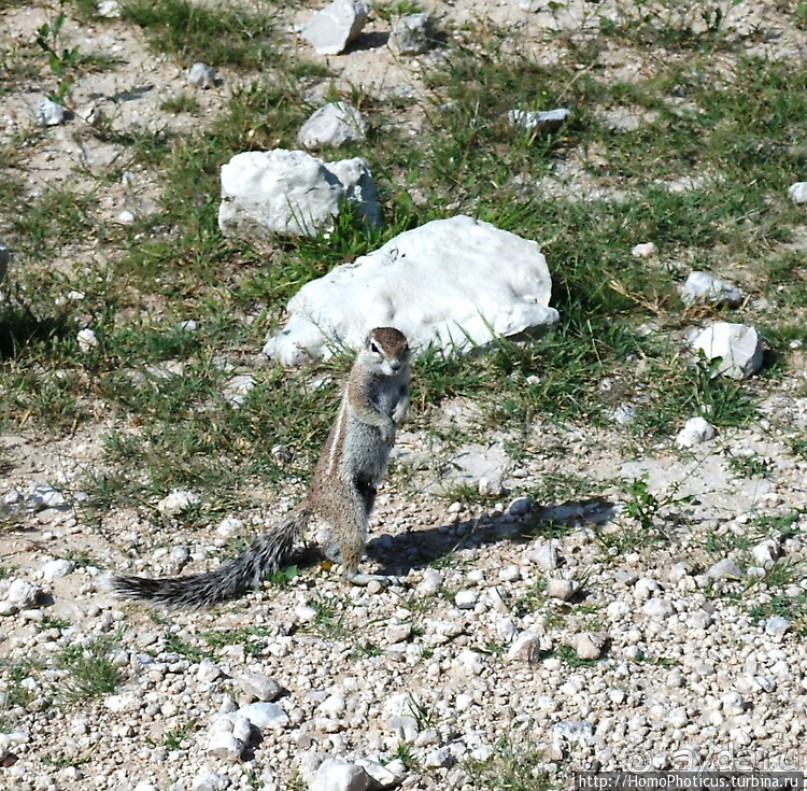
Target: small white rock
{"type": "Point", "coordinates": [333, 125]}
{"type": "Point", "coordinates": [798, 192]}
{"type": "Point", "coordinates": [259, 686]}
{"type": "Point", "coordinates": [545, 556]}
{"type": "Point", "coordinates": [225, 746]}
{"type": "Point", "coordinates": [696, 431]}
{"type": "Point", "coordinates": [44, 496]}
{"type": "Point", "coordinates": [335, 774]}
{"type": "Point", "coordinates": [703, 287]}
{"type": "Point", "coordinates": [56, 569]}
{"type": "Point", "coordinates": [200, 75]}
{"type": "Point", "coordinates": [109, 9]}
{"type": "Point", "coordinates": [765, 553]}
{"type": "Point", "coordinates": [561, 589]}
{"type": "Point", "coordinates": [543, 121]}
{"type": "Point", "coordinates": [126, 217]}
{"type": "Point", "coordinates": [466, 600]}
{"type": "Point", "coordinates": [330, 30]}
{"type": "Point", "coordinates": [207, 780]}
{"type": "Point", "coordinates": [177, 501]}
{"type": "Point", "coordinates": [725, 569]}
{"type": "Point", "coordinates": [265, 716]}
{"type": "Point", "coordinates": [777, 625]}
{"type": "Point", "coordinates": [644, 250]}
{"type": "Point", "coordinates": [657, 609]}
{"type": "Point", "coordinates": [23, 594]}
{"type": "Point", "coordinates": [87, 340]}
{"type": "Point", "coordinates": [49, 113]}
{"type": "Point", "coordinates": [412, 34]}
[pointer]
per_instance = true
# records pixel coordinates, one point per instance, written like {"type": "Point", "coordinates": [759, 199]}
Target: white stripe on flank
{"type": "Point", "coordinates": [336, 445]}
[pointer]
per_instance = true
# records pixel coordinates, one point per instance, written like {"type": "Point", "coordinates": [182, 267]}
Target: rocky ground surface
{"type": "Point", "coordinates": [662, 630]}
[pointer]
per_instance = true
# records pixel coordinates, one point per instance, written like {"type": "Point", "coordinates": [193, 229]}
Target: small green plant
{"type": "Point", "coordinates": [753, 466]}
{"type": "Point", "coordinates": [645, 507]}
{"type": "Point", "coordinates": [252, 638]}
{"type": "Point", "coordinates": [406, 755]}
{"type": "Point", "coordinates": [60, 59]}
{"type": "Point", "coordinates": [173, 739]}
{"type": "Point", "coordinates": [91, 672]}
{"type": "Point", "coordinates": [180, 103]}
{"type": "Point", "coordinates": [63, 761]}
{"type": "Point", "coordinates": [570, 657]}
{"type": "Point", "coordinates": [512, 766]}
{"type": "Point", "coordinates": [282, 578]}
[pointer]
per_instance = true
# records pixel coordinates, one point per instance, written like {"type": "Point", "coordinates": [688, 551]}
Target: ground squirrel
{"type": "Point", "coordinates": [342, 491]}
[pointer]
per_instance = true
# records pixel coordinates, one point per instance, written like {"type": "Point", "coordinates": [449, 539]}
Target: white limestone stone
{"type": "Point", "coordinates": [334, 124]}
{"type": "Point", "coordinates": [445, 283]}
{"type": "Point", "coordinates": [540, 121]}
{"type": "Point", "coordinates": [291, 192]}
{"type": "Point", "coordinates": [412, 34]}
{"type": "Point", "coordinates": [336, 774]}
{"type": "Point", "coordinates": [704, 287]}
{"type": "Point", "coordinates": [738, 346]}
{"type": "Point", "coordinates": [330, 30]}
{"type": "Point", "coordinates": [798, 192]}
{"type": "Point", "coordinates": [696, 431]}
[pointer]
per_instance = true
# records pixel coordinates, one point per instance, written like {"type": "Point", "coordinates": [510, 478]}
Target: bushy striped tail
{"type": "Point", "coordinates": [267, 554]}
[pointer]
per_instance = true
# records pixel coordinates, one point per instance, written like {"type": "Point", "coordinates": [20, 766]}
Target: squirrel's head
{"type": "Point", "coordinates": [387, 350]}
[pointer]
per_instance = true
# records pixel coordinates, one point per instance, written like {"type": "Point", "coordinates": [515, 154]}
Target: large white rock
{"type": "Point", "coordinates": [330, 30]}
{"type": "Point", "coordinates": [737, 345]}
{"type": "Point", "coordinates": [334, 124]}
{"type": "Point", "coordinates": [455, 283]}
{"type": "Point", "coordinates": [291, 192]}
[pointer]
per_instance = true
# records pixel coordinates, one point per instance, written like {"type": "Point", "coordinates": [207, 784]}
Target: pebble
{"type": "Point", "coordinates": [330, 30]}
{"type": "Point", "coordinates": [466, 600]}
{"type": "Point", "coordinates": [334, 124]}
{"type": "Point", "coordinates": [200, 75]}
{"type": "Point", "coordinates": [56, 569]}
{"type": "Point", "coordinates": [696, 431]}
{"type": "Point", "coordinates": [545, 556]}
{"type": "Point", "coordinates": [704, 287]}
{"type": "Point", "coordinates": [50, 113]}
{"type": "Point", "coordinates": [538, 122]}
{"type": "Point", "coordinates": [44, 496]}
{"type": "Point", "coordinates": [561, 589]}
{"type": "Point", "coordinates": [126, 217]}
{"type": "Point", "coordinates": [777, 625]}
{"type": "Point", "coordinates": [259, 686]}
{"type": "Point", "coordinates": [725, 569]}
{"type": "Point", "coordinates": [223, 745]}
{"type": "Point", "coordinates": [589, 645]}
{"type": "Point", "coordinates": [265, 716]}
{"type": "Point", "coordinates": [765, 553]}
{"type": "Point", "coordinates": [335, 774]}
{"type": "Point", "coordinates": [644, 250]}
{"type": "Point", "coordinates": [526, 647]}
{"type": "Point", "coordinates": [657, 609]}
{"type": "Point", "coordinates": [177, 501]}
{"type": "Point", "coordinates": [798, 192]}
{"type": "Point", "coordinates": [23, 594]}
{"type": "Point", "coordinates": [87, 340]}
{"type": "Point", "coordinates": [412, 34]}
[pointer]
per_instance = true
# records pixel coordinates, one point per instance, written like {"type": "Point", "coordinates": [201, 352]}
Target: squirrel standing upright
{"type": "Point", "coordinates": [342, 491]}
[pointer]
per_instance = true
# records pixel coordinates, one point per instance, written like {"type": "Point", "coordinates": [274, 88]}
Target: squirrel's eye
{"type": "Point", "coordinates": [374, 348]}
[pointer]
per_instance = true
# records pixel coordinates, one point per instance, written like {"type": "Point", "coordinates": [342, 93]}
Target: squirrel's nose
{"type": "Point", "coordinates": [395, 365]}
